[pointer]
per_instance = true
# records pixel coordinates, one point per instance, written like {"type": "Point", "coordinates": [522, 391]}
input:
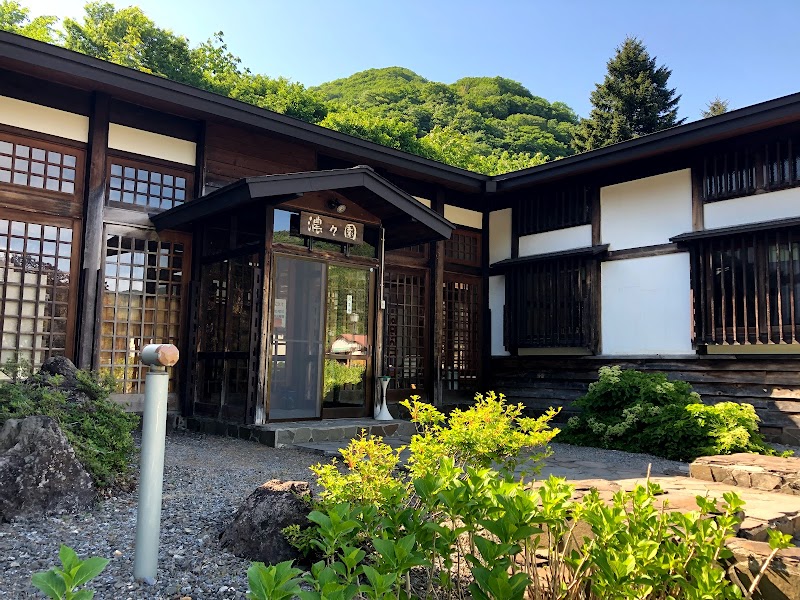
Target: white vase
{"type": "Point", "coordinates": [381, 410]}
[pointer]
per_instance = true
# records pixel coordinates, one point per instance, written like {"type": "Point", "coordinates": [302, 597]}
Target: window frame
{"type": "Point", "coordinates": [755, 151]}
{"type": "Point", "coordinates": [40, 199]}
{"type": "Point", "coordinates": [146, 235]}
{"type": "Point", "coordinates": [75, 258]}
{"type": "Point", "coordinates": [750, 295]}
{"type": "Point", "coordinates": [150, 164]}
{"type": "Point", "coordinates": [520, 274]}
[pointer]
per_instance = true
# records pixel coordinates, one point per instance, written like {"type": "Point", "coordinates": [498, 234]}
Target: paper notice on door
{"type": "Point", "coordinates": [279, 320]}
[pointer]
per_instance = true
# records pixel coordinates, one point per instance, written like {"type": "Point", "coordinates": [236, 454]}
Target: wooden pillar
{"type": "Point", "coordinates": [260, 412]}
{"type": "Point", "coordinates": [188, 389]}
{"type": "Point", "coordinates": [485, 381]}
{"type": "Point", "coordinates": [437, 324]}
{"type": "Point", "coordinates": [92, 258]}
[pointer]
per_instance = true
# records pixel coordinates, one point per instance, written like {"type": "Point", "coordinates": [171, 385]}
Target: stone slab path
{"type": "Point", "coordinates": [609, 471]}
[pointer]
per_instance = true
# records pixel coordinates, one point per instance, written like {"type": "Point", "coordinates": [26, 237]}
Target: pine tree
{"type": "Point", "coordinates": [632, 101]}
{"type": "Point", "coordinates": [717, 106]}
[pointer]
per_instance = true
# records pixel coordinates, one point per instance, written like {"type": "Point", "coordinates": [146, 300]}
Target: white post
{"type": "Point", "coordinates": [151, 472]}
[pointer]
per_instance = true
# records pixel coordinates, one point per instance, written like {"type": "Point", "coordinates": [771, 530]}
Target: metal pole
{"type": "Point", "coordinates": [151, 472]}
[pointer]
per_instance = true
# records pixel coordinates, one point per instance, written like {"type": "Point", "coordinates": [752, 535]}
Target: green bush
{"type": "Point", "coordinates": [644, 412]}
{"type": "Point", "coordinates": [98, 428]}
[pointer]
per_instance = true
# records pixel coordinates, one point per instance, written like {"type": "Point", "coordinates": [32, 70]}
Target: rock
{"type": "Point", "coordinates": [39, 473]}
{"type": "Point", "coordinates": [781, 580]}
{"type": "Point", "coordinates": [60, 365]}
{"type": "Point", "coordinates": [255, 532]}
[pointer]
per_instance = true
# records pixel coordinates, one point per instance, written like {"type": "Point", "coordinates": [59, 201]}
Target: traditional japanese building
{"type": "Point", "coordinates": [293, 265]}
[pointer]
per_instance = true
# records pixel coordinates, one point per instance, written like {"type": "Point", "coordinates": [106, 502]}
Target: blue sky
{"type": "Point", "coordinates": [741, 50]}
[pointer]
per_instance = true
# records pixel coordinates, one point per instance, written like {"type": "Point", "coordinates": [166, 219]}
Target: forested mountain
{"type": "Point", "coordinates": [486, 124]}
{"type": "Point", "coordinates": [495, 111]}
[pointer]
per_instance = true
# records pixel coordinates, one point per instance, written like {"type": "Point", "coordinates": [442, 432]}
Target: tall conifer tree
{"type": "Point", "coordinates": [632, 101]}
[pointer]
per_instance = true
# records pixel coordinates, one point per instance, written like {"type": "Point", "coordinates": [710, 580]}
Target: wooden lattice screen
{"type": "Point", "coordinates": [461, 351]}
{"type": "Point", "coordinates": [143, 296]}
{"type": "Point", "coordinates": [745, 288]}
{"type": "Point", "coordinates": [549, 304]}
{"type": "Point", "coordinates": [404, 357]}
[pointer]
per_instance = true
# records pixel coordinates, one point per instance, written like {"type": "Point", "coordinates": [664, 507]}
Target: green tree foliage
{"type": "Point", "coordinates": [632, 101]}
{"type": "Point", "coordinates": [717, 106]}
{"type": "Point", "coordinates": [16, 19]}
{"type": "Point", "coordinates": [487, 124]}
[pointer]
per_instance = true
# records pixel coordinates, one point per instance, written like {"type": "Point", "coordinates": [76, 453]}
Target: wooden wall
{"type": "Point", "coordinates": [234, 152]}
{"type": "Point", "coordinates": [770, 384]}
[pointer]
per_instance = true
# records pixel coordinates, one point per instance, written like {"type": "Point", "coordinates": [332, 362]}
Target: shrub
{"type": "Point", "coordinates": [98, 429]}
{"type": "Point", "coordinates": [490, 432]}
{"type": "Point", "coordinates": [516, 542]}
{"type": "Point", "coordinates": [468, 525]}
{"type": "Point", "coordinates": [644, 412]}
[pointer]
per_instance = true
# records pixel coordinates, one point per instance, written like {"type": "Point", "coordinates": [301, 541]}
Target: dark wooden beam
{"type": "Point", "coordinates": [437, 302]}
{"type": "Point", "coordinates": [736, 229]}
{"type": "Point", "coordinates": [88, 327]}
{"type": "Point", "coordinates": [698, 214]}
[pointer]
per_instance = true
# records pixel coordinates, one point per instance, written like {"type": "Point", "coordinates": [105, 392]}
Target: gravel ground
{"type": "Point", "coordinates": [205, 480]}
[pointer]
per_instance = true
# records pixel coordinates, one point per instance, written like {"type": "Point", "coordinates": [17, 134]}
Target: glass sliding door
{"type": "Point", "coordinates": [347, 342]}
{"type": "Point", "coordinates": [320, 352]}
{"type": "Point", "coordinates": [296, 351]}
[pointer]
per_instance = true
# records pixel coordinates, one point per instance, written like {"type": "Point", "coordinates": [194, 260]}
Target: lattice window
{"type": "Point", "coordinates": [746, 288]}
{"type": "Point", "coordinates": [749, 169]}
{"type": "Point", "coordinates": [140, 185]}
{"type": "Point", "coordinates": [461, 352]}
{"type": "Point", "coordinates": [549, 304]}
{"type": "Point", "coordinates": [39, 165]}
{"type": "Point", "coordinates": [464, 247]}
{"type": "Point", "coordinates": [405, 347]}
{"type": "Point", "coordinates": [37, 287]}
{"type": "Point", "coordinates": [555, 207]}
{"type": "Point", "coordinates": [142, 304]}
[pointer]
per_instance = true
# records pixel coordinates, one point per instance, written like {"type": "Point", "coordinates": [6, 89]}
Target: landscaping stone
{"type": "Point", "coordinates": [39, 472]}
{"type": "Point", "coordinates": [781, 580]}
{"type": "Point", "coordinates": [769, 473]}
{"type": "Point", "coordinates": [256, 530]}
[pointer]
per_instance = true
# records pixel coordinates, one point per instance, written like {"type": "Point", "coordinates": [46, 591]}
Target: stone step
{"type": "Point", "coordinates": [291, 433]}
{"type": "Point", "coordinates": [768, 473]}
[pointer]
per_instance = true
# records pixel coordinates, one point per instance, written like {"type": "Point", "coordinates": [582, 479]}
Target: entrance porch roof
{"type": "Point", "coordinates": [406, 220]}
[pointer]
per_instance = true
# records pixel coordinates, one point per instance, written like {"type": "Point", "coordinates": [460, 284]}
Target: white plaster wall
{"type": "Point", "coordinates": [424, 201]}
{"type": "Point", "coordinates": [499, 235]}
{"type": "Point", "coordinates": [645, 304]}
{"type": "Point", "coordinates": [151, 144]}
{"type": "Point", "coordinates": [463, 216]}
{"type": "Point", "coordinates": [646, 212]}
{"type": "Point", "coordinates": [555, 241]}
{"type": "Point", "coordinates": [752, 209]}
{"type": "Point", "coordinates": [43, 119]}
{"type": "Point", "coordinates": [497, 302]}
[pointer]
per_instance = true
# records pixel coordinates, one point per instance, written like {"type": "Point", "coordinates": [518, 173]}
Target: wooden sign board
{"type": "Point", "coordinates": [330, 228]}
